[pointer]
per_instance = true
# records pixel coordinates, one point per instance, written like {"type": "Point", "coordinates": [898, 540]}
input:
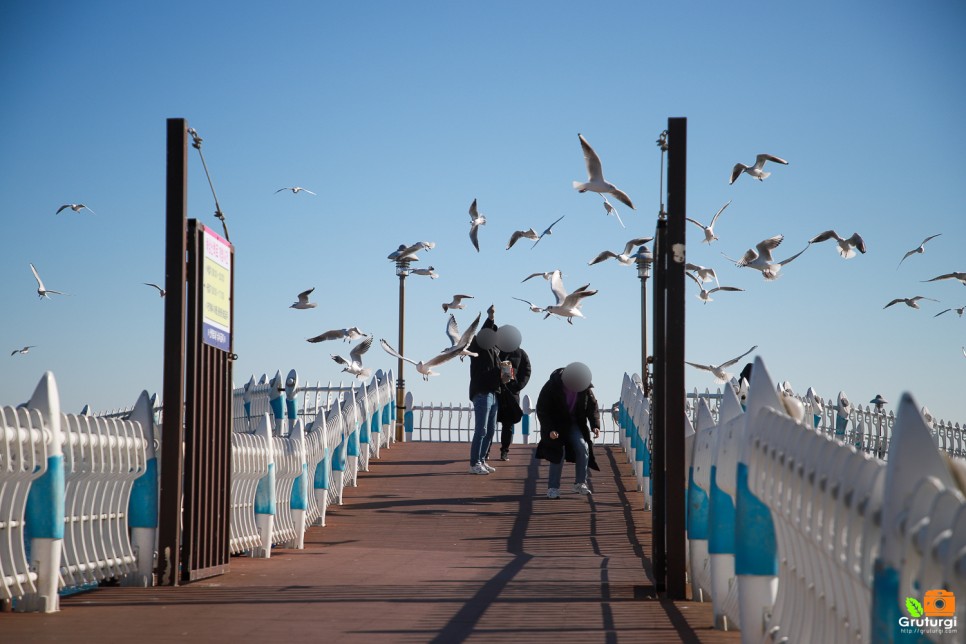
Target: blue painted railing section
{"type": "Point", "coordinates": [814, 522]}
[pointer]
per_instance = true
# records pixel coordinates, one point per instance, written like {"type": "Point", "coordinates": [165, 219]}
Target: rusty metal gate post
{"type": "Point", "coordinates": [196, 432]}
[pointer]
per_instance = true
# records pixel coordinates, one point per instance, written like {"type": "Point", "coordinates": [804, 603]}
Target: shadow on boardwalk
{"type": "Point", "coordinates": [422, 552]}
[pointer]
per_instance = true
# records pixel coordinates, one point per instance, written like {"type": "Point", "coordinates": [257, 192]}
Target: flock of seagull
{"type": "Point", "coordinates": [567, 305]}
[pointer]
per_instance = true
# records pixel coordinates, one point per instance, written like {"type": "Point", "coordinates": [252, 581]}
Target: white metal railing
{"type": "Point", "coordinates": [802, 534]}
{"type": "Point", "coordinates": [66, 509]}
{"type": "Point", "coordinates": [449, 423]}
{"type": "Point", "coordinates": [79, 494]}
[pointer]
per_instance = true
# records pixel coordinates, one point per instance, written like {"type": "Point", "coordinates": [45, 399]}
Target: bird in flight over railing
{"type": "Point", "coordinates": [426, 368]}
{"type": "Point", "coordinates": [595, 176]}
{"type": "Point", "coordinates": [719, 370]}
{"type": "Point", "coordinates": [346, 335]}
{"type": "Point", "coordinates": [354, 364]}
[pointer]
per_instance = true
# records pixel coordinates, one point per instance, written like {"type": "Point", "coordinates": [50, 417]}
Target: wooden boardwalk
{"type": "Point", "coordinates": [421, 551]}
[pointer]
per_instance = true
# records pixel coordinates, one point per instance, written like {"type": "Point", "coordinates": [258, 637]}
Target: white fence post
{"type": "Point", "coordinates": [265, 493]}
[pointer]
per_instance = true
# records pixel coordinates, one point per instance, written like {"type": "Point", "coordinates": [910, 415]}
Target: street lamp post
{"type": "Point", "coordinates": [644, 259]}
{"type": "Point", "coordinates": [402, 270]}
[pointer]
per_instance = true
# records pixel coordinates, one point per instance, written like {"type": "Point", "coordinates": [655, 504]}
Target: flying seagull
{"type": "Point", "coordinates": [161, 291]}
{"type": "Point", "coordinates": [354, 364]}
{"type": "Point", "coordinates": [611, 210]}
{"type": "Point", "coordinates": [706, 274]}
{"type": "Point", "coordinates": [761, 260]}
{"type": "Point", "coordinates": [346, 335]}
{"type": "Point", "coordinates": [568, 305]}
{"type": "Point", "coordinates": [547, 231]}
{"type": "Point", "coordinates": [23, 351]}
{"type": "Point", "coordinates": [705, 295]}
{"type": "Point", "coordinates": [457, 302]}
{"type": "Point", "coordinates": [533, 307]}
{"type": "Point", "coordinates": [960, 311]}
{"type": "Point", "coordinates": [429, 272]}
{"type": "Point", "coordinates": [460, 340]}
{"type": "Point", "coordinates": [595, 176]}
{"type": "Point", "coordinates": [405, 252]}
{"type": "Point", "coordinates": [709, 235]}
{"type": "Point", "coordinates": [950, 276]}
{"type": "Point", "coordinates": [426, 368]}
{"type": "Point", "coordinates": [845, 246]}
{"type": "Point", "coordinates": [303, 301]}
{"type": "Point", "coordinates": [41, 290]}
{"type": "Point", "coordinates": [921, 248]}
{"type": "Point", "coordinates": [719, 370]}
{"type": "Point", "coordinates": [295, 190]}
{"type": "Point", "coordinates": [521, 234]}
{"type": "Point", "coordinates": [755, 170]}
{"type": "Point", "coordinates": [76, 207]}
{"type": "Point", "coordinates": [909, 301]}
{"type": "Point", "coordinates": [476, 220]}
{"type": "Point", "coordinates": [625, 258]}
{"type": "Point", "coordinates": [545, 276]}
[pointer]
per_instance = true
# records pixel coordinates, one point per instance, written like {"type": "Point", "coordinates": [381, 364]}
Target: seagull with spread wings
{"type": "Point", "coordinates": [533, 307]}
{"type": "Point", "coordinates": [427, 272]}
{"type": "Point", "coordinates": [547, 231]}
{"type": "Point", "coordinates": [426, 368]}
{"type": "Point", "coordinates": [626, 258]}
{"type": "Point", "coordinates": [595, 176]}
{"type": "Point", "coordinates": [457, 302]}
{"type": "Point", "coordinates": [706, 274]}
{"type": "Point", "coordinates": [755, 171]}
{"type": "Point", "coordinates": [545, 276]}
{"type": "Point", "coordinates": [705, 295]}
{"type": "Point", "coordinates": [23, 351]}
{"type": "Point", "coordinates": [846, 246]}
{"type": "Point", "coordinates": [918, 250]}
{"type": "Point", "coordinates": [950, 276]}
{"type": "Point", "coordinates": [295, 190]}
{"type": "Point", "coordinates": [346, 335]}
{"type": "Point", "coordinates": [568, 304]}
{"type": "Point", "coordinates": [76, 207]}
{"type": "Point", "coordinates": [405, 252]}
{"type": "Point", "coordinates": [43, 291]}
{"type": "Point", "coordinates": [959, 311]}
{"type": "Point", "coordinates": [303, 301]}
{"type": "Point", "coordinates": [719, 370]}
{"type": "Point", "coordinates": [708, 230]}
{"type": "Point", "coordinates": [912, 302]}
{"type": "Point", "coordinates": [761, 260]}
{"type": "Point", "coordinates": [161, 291]}
{"type": "Point", "coordinates": [456, 339]}
{"type": "Point", "coordinates": [521, 234]}
{"type": "Point", "coordinates": [354, 364]}
{"type": "Point", "coordinates": [476, 220]}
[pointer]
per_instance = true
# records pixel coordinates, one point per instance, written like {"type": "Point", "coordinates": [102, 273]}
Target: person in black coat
{"type": "Point", "coordinates": [568, 412]}
{"type": "Point", "coordinates": [509, 412]}
{"type": "Point", "coordinates": [486, 378]}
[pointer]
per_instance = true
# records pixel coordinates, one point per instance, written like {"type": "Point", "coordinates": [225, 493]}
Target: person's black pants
{"type": "Point", "coordinates": [506, 437]}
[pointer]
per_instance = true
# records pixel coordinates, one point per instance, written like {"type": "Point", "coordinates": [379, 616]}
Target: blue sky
{"type": "Point", "coordinates": [399, 114]}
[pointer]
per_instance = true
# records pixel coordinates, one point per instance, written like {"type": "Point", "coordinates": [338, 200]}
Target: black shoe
{"type": "Point", "coordinates": [504, 455]}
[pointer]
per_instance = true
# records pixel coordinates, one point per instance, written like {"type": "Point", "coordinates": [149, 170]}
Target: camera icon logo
{"type": "Point", "coordinates": [939, 603]}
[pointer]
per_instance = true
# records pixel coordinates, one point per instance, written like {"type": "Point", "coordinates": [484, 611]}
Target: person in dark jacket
{"type": "Point", "coordinates": [486, 377]}
{"type": "Point", "coordinates": [568, 413]}
{"type": "Point", "coordinates": [509, 412]}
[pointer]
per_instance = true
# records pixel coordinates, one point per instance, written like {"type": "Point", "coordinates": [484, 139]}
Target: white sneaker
{"type": "Point", "coordinates": [581, 488]}
{"type": "Point", "coordinates": [553, 493]}
{"type": "Point", "coordinates": [478, 469]}
{"type": "Point", "coordinates": [488, 467]}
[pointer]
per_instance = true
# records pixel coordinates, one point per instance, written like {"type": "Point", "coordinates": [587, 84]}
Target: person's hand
{"type": "Point", "coordinates": [490, 312]}
{"type": "Point", "coordinates": [596, 432]}
{"type": "Point", "coordinates": [504, 377]}
{"type": "Point", "coordinates": [554, 435]}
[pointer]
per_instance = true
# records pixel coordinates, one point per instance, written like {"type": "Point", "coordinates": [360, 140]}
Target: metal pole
{"type": "Point", "coordinates": [169, 511]}
{"type": "Point", "coordinates": [400, 382]}
{"type": "Point", "coordinates": [676, 468]}
{"type": "Point", "coordinates": [658, 501]}
{"type": "Point", "coordinates": [644, 335]}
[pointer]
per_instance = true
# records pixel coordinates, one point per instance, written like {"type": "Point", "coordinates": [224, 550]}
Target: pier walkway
{"type": "Point", "coordinates": [422, 552]}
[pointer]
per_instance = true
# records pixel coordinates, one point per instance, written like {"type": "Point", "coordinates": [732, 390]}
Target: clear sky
{"type": "Point", "coordinates": [399, 114]}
